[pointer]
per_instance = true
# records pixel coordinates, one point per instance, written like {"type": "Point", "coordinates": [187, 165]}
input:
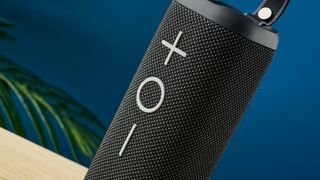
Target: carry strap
{"type": "Point", "coordinates": [270, 11]}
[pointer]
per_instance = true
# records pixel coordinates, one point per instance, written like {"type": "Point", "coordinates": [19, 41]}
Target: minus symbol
{"type": "Point", "coordinates": [127, 140]}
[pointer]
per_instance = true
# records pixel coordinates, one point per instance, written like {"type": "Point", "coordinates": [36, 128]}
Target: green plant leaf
{"type": "Point", "coordinates": [45, 103]}
{"type": "Point", "coordinates": [28, 104]}
{"type": "Point", "coordinates": [6, 36]}
{"type": "Point", "coordinates": [88, 139]}
{"type": "Point", "coordinates": [10, 110]}
{"type": "Point", "coordinates": [49, 126]}
{"type": "Point", "coordinates": [77, 138]}
{"type": "Point", "coordinates": [29, 109]}
{"type": "Point", "coordinates": [2, 120]}
{"type": "Point", "coordinates": [62, 125]}
{"type": "Point", "coordinates": [5, 23]}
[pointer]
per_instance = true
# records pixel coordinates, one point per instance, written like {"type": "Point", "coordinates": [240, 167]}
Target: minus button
{"type": "Point", "coordinates": [127, 140]}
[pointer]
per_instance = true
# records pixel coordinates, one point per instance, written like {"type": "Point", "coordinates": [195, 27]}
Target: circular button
{"type": "Point", "coordinates": [265, 13]}
{"type": "Point", "coordinates": [140, 105]}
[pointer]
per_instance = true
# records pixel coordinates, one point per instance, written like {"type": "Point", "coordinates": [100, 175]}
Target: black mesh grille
{"type": "Point", "coordinates": [206, 94]}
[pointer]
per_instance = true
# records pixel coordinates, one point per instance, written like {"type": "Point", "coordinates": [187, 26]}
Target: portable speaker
{"type": "Point", "coordinates": [190, 92]}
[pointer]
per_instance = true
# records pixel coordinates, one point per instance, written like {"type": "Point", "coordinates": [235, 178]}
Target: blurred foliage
{"type": "Point", "coordinates": [44, 105]}
{"type": "Point", "coordinates": [4, 24]}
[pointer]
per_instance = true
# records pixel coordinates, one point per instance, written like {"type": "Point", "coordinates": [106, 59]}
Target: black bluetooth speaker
{"type": "Point", "coordinates": [190, 91]}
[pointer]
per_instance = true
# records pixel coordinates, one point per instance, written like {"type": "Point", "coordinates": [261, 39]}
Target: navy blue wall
{"type": "Point", "coordinates": [91, 49]}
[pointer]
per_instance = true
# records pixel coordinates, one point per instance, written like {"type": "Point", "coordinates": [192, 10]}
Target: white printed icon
{"type": "Point", "coordinates": [125, 144]}
{"type": "Point", "coordinates": [173, 48]}
{"type": "Point", "coordinates": [138, 99]}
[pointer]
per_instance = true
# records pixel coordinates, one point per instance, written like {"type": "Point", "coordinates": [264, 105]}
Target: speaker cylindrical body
{"type": "Point", "coordinates": [188, 95]}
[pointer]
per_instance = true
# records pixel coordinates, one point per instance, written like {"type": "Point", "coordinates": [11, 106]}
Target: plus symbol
{"type": "Point", "coordinates": [173, 48]}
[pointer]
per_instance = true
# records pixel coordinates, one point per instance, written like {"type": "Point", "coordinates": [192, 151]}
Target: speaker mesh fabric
{"type": "Point", "coordinates": [206, 94]}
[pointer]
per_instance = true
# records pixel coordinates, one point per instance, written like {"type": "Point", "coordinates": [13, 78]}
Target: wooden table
{"type": "Point", "coordinates": [23, 160]}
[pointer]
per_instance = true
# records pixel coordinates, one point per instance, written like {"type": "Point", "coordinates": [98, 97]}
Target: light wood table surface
{"type": "Point", "coordinates": [23, 160]}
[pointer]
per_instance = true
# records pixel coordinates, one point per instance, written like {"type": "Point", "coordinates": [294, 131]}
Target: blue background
{"type": "Point", "coordinates": [91, 49]}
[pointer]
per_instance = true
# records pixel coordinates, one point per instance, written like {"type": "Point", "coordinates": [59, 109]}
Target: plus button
{"type": "Point", "coordinates": [173, 48]}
